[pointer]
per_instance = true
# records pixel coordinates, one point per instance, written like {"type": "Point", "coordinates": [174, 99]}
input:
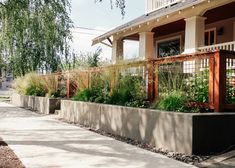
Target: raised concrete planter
{"type": "Point", "coordinates": [40, 104]}
{"type": "Point", "coordinates": [181, 132]}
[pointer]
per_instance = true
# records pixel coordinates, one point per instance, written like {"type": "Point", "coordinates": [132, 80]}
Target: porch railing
{"type": "Point", "coordinates": [230, 46]}
{"type": "Point", "coordinates": [153, 5]}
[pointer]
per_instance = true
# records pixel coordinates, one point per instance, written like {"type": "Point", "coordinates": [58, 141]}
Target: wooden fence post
{"type": "Point", "coordinates": [155, 72]}
{"type": "Point", "coordinates": [219, 82]}
{"type": "Point", "coordinates": [68, 86]}
{"type": "Point", "coordinates": [151, 87]}
{"type": "Point", "coordinates": [211, 81]}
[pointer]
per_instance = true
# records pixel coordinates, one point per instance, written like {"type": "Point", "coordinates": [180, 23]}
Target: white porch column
{"type": "Point", "coordinates": [146, 45]}
{"type": "Point", "coordinates": [194, 33]}
{"type": "Point", "coordinates": [117, 50]}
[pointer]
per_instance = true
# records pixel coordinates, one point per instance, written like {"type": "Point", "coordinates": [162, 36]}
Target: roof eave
{"type": "Point", "coordinates": [146, 18]}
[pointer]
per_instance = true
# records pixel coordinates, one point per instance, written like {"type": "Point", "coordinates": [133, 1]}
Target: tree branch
{"type": "Point", "coordinates": [2, 4]}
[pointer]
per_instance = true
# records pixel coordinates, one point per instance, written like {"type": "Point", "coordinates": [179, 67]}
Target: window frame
{"type": "Point", "coordinates": [215, 35]}
{"type": "Point", "coordinates": [172, 38]}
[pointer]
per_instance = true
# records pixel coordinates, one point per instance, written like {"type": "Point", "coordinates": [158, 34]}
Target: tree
{"type": "Point", "coordinates": [121, 4]}
{"type": "Point", "coordinates": [83, 60]}
{"type": "Point", "coordinates": [34, 34]}
{"type": "Point", "coordinates": [94, 58]}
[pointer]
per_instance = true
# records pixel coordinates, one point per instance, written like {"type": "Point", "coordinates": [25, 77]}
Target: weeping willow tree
{"type": "Point", "coordinates": [121, 4]}
{"type": "Point", "coordinates": [34, 34]}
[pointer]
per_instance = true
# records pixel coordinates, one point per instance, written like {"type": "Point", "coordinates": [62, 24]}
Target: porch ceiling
{"type": "Point", "coordinates": [170, 28]}
{"type": "Point", "coordinates": [220, 13]}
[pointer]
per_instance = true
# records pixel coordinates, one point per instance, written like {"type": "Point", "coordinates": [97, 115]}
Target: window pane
{"type": "Point", "coordinates": [169, 48]}
{"type": "Point", "coordinates": [206, 38]}
{"type": "Point", "coordinates": [212, 37]}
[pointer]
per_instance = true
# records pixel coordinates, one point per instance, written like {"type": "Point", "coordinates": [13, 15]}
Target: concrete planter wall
{"type": "Point", "coordinates": [181, 132]}
{"type": "Point", "coordinates": [40, 104]}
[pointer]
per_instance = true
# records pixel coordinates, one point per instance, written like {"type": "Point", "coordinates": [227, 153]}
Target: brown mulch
{"type": "Point", "coordinates": [8, 158]}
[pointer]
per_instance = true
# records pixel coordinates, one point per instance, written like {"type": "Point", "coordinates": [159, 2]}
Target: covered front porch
{"type": "Point", "coordinates": [203, 27]}
{"type": "Point", "coordinates": [179, 48]}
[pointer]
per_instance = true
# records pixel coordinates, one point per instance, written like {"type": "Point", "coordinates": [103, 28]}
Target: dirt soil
{"type": "Point", "coordinates": [8, 158]}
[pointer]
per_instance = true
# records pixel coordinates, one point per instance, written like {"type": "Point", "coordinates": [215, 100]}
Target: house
{"type": "Point", "coordinates": [173, 27]}
{"type": "Point", "coordinates": [183, 39]}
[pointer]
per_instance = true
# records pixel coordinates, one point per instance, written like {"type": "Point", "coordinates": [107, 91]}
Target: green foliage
{"type": "Point", "coordinates": [177, 87]}
{"type": "Point", "coordinates": [93, 94]}
{"type": "Point", "coordinates": [230, 94]}
{"type": "Point", "coordinates": [121, 4]}
{"type": "Point", "coordinates": [173, 101]}
{"type": "Point", "coordinates": [198, 87]}
{"type": "Point", "coordinates": [35, 90]}
{"type": "Point", "coordinates": [83, 95]}
{"type": "Point", "coordinates": [230, 87]}
{"type": "Point", "coordinates": [129, 91]}
{"type": "Point", "coordinates": [30, 84]}
{"type": "Point", "coordinates": [34, 34]}
{"type": "Point", "coordinates": [98, 92]}
{"type": "Point", "coordinates": [82, 60]}
{"type": "Point", "coordinates": [172, 79]}
{"type": "Point", "coordinates": [55, 94]}
{"type": "Point", "coordinates": [51, 83]}
{"type": "Point", "coordinates": [38, 85]}
{"type": "Point", "coordinates": [93, 59]}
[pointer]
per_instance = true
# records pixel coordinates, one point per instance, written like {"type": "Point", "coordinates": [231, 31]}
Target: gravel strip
{"type": "Point", "coordinates": [8, 159]}
{"type": "Point", "coordinates": [189, 159]}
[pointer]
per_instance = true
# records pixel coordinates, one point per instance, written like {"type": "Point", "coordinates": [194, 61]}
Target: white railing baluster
{"type": "Point", "coordinates": [230, 46]}
{"type": "Point", "coordinates": [158, 4]}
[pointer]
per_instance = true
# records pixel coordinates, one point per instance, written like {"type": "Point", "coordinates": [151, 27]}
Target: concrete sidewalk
{"type": "Point", "coordinates": [43, 142]}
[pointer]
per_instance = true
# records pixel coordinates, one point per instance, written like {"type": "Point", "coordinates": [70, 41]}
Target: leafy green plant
{"type": "Point", "coordinates": [129, 91]}
{"type": "Point", "coordinates": [198, 87]}
{"type": "Point", "coordinates": [171, 77]}
{"type": "Point", "coordinates": [35, 90]}
{"type": "Point", "coordinates": [172, 101]}
{"type": "Point", "coordinates": [93, 94]}
{"type": "Point", "coordinates": [30, 84]}
{"type": "Point", "coordinates": [98, 91]}
{"type": "Point", "coordinates": [230, 87]}
{"type": "Point", "coordinates": [83, 95]}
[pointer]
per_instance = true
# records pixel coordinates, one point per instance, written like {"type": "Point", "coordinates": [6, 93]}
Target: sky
{"type": "Point", "coordinates": [92, 19]}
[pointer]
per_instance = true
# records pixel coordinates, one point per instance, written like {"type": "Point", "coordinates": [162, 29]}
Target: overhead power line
{"type": "Point", "coordinates": [92, 34]}
{"type": "Point", "coordinates": [93, 29]}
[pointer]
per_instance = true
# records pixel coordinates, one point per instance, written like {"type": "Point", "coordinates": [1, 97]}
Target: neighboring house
{"type": "Point", "coordinates": [172, 27]}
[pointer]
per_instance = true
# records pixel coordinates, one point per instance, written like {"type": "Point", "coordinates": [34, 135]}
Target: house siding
{"type": "Point", "coordinates": [227, 25]}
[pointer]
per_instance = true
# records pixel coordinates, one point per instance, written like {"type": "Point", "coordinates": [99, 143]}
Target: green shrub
{"type": "Point", "coordinates": [93, 94]}
{"type": "Point", "coordinates": [83, 95]}
{"type": "Point", "coordinates": [198, 87]}
{"type": "Point", "coordinates": [129, 91]}
{"type": "Point", "coordinates": [35, 90]}
{"type": "Point", "coordinates": [173, 101]}
{"type": "Point", "coordinates": [98, 92]}
{"type": "Point", "coordinates": [30, 84]}
{"type": "Point", "coordinates": [55, 94]}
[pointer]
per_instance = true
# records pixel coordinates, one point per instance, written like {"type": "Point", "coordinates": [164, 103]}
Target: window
{"type": "Point", "coordinates": [168, 48]}
{"type": "Point", "coordinates": [210, 37]}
